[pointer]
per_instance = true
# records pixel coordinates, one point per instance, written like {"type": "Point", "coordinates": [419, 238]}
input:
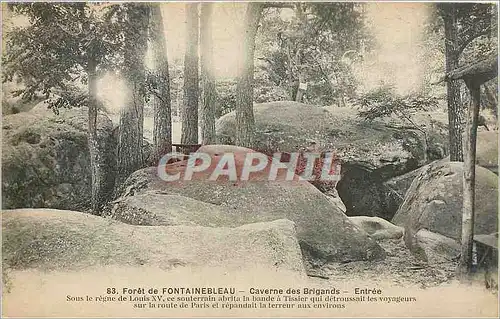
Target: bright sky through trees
{"type": "Point", "coordinates": [397, 28]}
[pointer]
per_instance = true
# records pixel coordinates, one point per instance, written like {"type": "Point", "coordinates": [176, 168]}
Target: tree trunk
{"type": "Point", "coordinates": [191, 81]}
{"type": "Point", "coordinates": [300, 92]}
{"type": "Point", "coordinates": [162, 131]}
{"type": "Point", "coordinates": [469, 183]}
{"type": "Point", "coordinates": [292, 87]}
{"type": "Point", "coordinates": [245, 121]}
{"type": "Point", "coordinates": [209, 93]}
{"type": "Point", "coordinates": [455, 109]}
{"type": "Point", "coordinates": [96, 174]}
{"type": "Point", "coordinates": [299, 13]}
{"type": "Point", "coordinates": [130, 140]}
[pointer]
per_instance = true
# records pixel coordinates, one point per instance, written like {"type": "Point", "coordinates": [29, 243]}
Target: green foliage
{"type": "Point", "coordinates": [473, 20]}
{"type": "Point", "coordinates": [43, 55]}
{"type": "Point", "coordinates": [266, 89]}
{"type": "Point", "coordinates": [151, 85]}
{"type": "Point", "coordinates": [383, 101]}
{"type": "Point", "coordinates": [226, 97]}
{"type": "Point", "coordinates": [476, 37]}
{"type": "Point", "coordinates": [312, 41]}
{"type": "Point", "coordinates": [72, 95]}
{"type": "Point", "coordinates": [476, 28]}
{"type": "Point", "coordinates": [52, 54]}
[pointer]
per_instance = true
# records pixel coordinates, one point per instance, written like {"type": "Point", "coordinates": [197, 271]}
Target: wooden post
{"type": "Point", "coordinates": [474, 75]}
{"type": "Point", "coordinates": [469, 172]}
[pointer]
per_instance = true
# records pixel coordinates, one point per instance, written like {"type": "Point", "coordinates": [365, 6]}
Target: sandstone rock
{"type": "Point", "coordinates": [49, 239]}
{"type": "Point", "coordinates": [12, 104]}
{"type": "Point", "coordinates": [154, 209]}
{"type": "Point", "coordinates": [324, 232]}
{"type": "Point", "coordinates": [332, 192]}
{"type": "Point", "coordinates": [487, 150]}
{"type": "Point", "coordinates": [377, 227]}
{"type": "Point", "coordinates": [334, 197]}
{"type": "Point", "coordinates": [487, 157]}
{"type": "Point", "coordinates": [46, 162]}
{"type": "Point", "coordinates": [487, 255]}
{"type": "Point", "coordinates": [434, 201]}
{"type": "Point", "coordinates": [370, 152]}
{"type": "Point", "coordinates": [434, 248]}
{"type": "Point", "coordinates": [395, 191]}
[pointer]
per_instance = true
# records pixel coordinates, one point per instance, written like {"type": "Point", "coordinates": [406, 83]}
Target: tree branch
{"type": "Point", "coordinates": [76, 35]}
{"type": "Point", "coordinates": [325, 76]}
{"type": "Point", "coordinates": [266, 59]}
{"type": "Point", "coordinates": [467, 41]}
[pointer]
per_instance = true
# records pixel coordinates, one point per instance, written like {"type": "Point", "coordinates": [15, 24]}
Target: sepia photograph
{"type": "Point", "coordinates": [181, 159]}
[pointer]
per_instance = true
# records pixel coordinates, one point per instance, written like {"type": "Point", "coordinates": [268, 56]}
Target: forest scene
{"type": "Point", "coordinates": [405, 95]}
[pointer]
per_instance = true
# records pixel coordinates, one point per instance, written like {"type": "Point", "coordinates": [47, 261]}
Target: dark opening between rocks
{"type": "Point", "coordinates": [360, 192]}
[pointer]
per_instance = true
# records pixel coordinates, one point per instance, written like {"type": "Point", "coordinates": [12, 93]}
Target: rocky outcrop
{"type": "Point", "coordinates": [434, 202]}
{"type": "Point", "coordinates": [46, 162]}
{"type": "Point", "coordinates": [487, 150]}
{"type": "Point", "coordinates": [486, 156]}
{"type": "Point", "coordinates": [48, 239]}
{"type": "Point", "coordinates": [370, 151]}
{"type": "Point", "coordinates": [324, 232]}
{"type": "Point", "coordinates": [395, 191]}
{"type": "Point", "coordinates": [153, 209]}
{"type": "Point", "coordinates": [13, 103]}
{"type": "Point", "coordinates": [433, 247]}
{"type": "Point", "coordinates": [377, 227]}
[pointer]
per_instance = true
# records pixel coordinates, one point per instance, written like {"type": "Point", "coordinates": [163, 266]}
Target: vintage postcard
{"type": "Point", "coordinates": [249, 159]}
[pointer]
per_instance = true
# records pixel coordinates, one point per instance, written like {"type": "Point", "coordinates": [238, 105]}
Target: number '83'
{"type": "Point", "coordinates": [111, 291]}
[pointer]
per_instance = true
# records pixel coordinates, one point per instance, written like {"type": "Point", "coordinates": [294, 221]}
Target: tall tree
{"type": "Point", "coordinates": [312, 46]}
{"type": "Point", "coordinates": [301, 17]}
{"type": "Point", "coordinates": [130, 139]}
{"type": "Point", "coordinates": [455, 110]}
{"type": "Point", "coordinates": [463, 23]}
{"type": "Point", "coordinates": [245, 121]}
{"type": "Point", "coordinates": [191, 79]}
{"type": "Point", "coordinates": [208, 80]}
{"type": "Point", "coordinates": [64, 47]}
{"type": "Point", "coordinates": [96, 174]}
{"type": "Point", "coordinates": [162, 131]}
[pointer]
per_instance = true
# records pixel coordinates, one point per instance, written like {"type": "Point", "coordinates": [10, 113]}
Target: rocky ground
{"type": "Point", "coordinates": [399, 268]}
{"type": "Point", "coordinates": [189, 226]}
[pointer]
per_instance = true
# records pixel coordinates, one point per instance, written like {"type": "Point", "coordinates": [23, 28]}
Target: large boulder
{"type": "Point", "coordinates": [153, 209]}
{"type": "Point", "coordinates": [324, 232]}
{"type": "Point", "coordinates": [370, 151]}
{"type": "Point", "coordinates": [434, 202]}
{"type": "Point", "coordinates": [487, 150]}
{"type": "Point", "coordinates": [46, 161]}
{"type": "Point", "coordinates": [377, 227]}
{"type": "Point", "coordinates": [13, 103]}
{"type": "Point", "coordinates": [434, 248]}
{"type": "Point", "coordinates": [396, 187]}
{"type": "Point", "coordinates": [49, 239]}
{"type": "Point", "coordinates": [395, 190]}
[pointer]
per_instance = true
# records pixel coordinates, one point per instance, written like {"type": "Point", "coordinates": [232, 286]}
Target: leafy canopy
{"type": "Point", "coordinates": [384, 101]}
{"type": "Point", "coordinates": [51, 55]}
{"type": "Point", "coordinates": [313, 40]}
